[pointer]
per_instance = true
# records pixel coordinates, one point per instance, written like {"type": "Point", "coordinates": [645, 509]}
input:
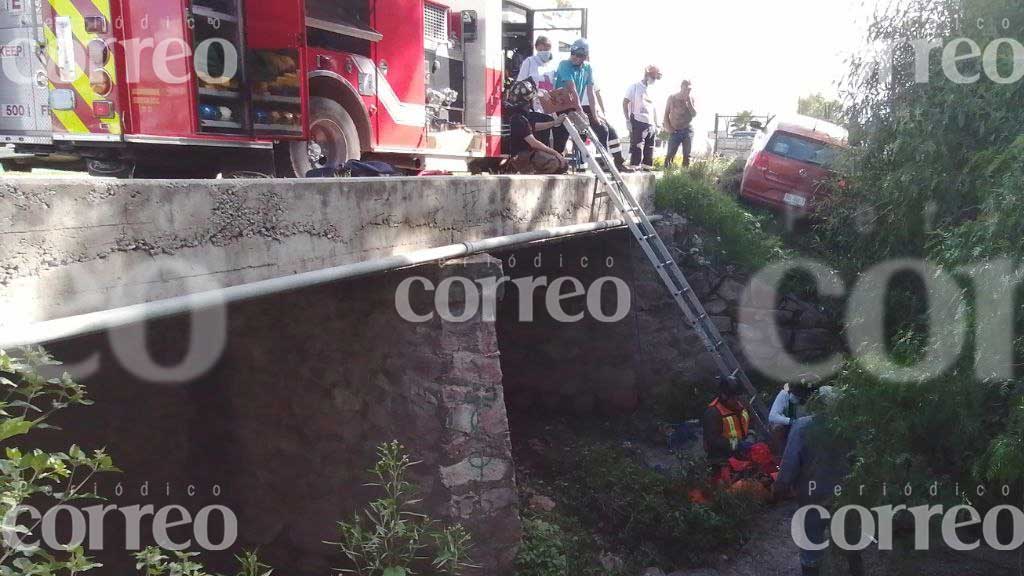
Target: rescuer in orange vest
{"type": "Point", "coordinates": [726, 422]}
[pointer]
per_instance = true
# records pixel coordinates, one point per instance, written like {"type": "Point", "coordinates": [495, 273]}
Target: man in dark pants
{"type": "Point", "coordinates": [530, 155]}
{"type": "Point", "coordinates": [813, 465]}
{"type": "Point", "coordinates": [679, 113]}
{"type": "Point", "coordinates": [638, 107]}
{"type": "Point", "coordinates": [577, 70]}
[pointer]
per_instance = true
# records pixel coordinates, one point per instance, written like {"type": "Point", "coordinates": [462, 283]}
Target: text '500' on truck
{"type": "Point", "coordinates": [197, 88]}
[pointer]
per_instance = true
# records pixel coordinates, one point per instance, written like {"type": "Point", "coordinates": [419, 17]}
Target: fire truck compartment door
{"type": "Point", "coordinates": [275, 65]}
{"type": "Point", "coordinates": [24, 89]}
{"type": "Point", "coordinates": [562, 26]}
{"type": "Point", "coordinates": [401, 72]}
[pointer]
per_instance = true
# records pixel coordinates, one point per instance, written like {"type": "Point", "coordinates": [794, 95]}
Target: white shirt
{"type": "Point", "coordinates": [641, 106]}
{"type": "Point", "coordinates": [777, 416]}
{"type": "Point", "coordinates": [542, 73]}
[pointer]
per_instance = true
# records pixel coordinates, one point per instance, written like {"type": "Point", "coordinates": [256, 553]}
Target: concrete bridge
{"type": "Point", "coordinates": [244, 336]}
{"type": "Point", "coordinates": [249, 343]}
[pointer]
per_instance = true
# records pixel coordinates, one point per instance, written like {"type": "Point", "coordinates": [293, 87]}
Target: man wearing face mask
{"type": "Point", "coordinates": [541, 69]}
{"type": "Point", "coordinates": [641, 117]}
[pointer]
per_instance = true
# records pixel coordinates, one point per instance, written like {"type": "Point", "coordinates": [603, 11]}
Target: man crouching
{"type": "Point", "coordinates": [530, 154]}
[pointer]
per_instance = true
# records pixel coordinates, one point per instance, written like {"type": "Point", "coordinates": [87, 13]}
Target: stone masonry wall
{"type": "Point", "coordinates": [673, 353]}
{"type": "Point", "coordinates": [591, 367]}
{"type": "Point", "coordinates": [287, 423]}
{"type": "Point", "coordinates": [581, 367]}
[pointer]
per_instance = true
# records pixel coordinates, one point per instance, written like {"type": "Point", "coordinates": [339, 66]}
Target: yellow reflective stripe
{"type": "Point", "coordinates": [730, 423]}
{"type": "Point", "coordinates": [82, 86]}
{"type": "Point", "coordinates": [104, 7]}
{"type": "Point", "coordinates": [67, 9]}
{"type": "Point", "coordinates": [69, 119]}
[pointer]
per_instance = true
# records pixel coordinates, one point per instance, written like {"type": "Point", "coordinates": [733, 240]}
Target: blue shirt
{"type": "Point", "coordinates": [806, 461]}
{"type": "Point", "coordinates": [581, 76]}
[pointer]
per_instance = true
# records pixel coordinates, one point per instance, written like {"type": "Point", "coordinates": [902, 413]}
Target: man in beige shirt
{"type": "Point", "coordinates": [679, 114]}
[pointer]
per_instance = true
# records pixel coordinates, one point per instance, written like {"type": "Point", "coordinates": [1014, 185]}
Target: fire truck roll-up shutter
{"type": "Point", "coordinates": [82, 74]}
{"type": "Point", "coordinates": [24, 91]}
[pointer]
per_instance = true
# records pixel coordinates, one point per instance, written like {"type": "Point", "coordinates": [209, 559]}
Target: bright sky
{"type": "Point", "coordinates": [740, 54]}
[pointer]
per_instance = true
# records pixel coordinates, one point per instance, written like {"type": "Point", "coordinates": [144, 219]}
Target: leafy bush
{"type": "Point", "coordinates": [155, 562]}
{"type": "Point", "coordinates": [936, 173]}
{"type": "Point", "coordinates": [738, 236]}
{"type": "Point", "coordinates": [543, 551]}
{"type": "Point", "coordinates": [28, 400]}
{"type": "Point", "coordinates": [929, 155]}
{"type": "Point", "coordinates": [647, 513]}
{"type": "Point", "coordinates": [392, 539]}
{"type": "Point", "coordinates": [731, 179]}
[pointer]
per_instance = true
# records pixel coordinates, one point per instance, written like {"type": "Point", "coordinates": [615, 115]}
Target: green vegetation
{"type": "Point", "coordinates": [544, 551]}
{"type": "Point", "coordinates": [156, 562]}
{"type": "Point", "coordinates": [736, 234]}
{"type": "Point", "coordinates": [742, 120]}
{"type": "Point", "coordinates": [936, 173]}
{"type": "Point", "coordinates": [393, 538]}
{"type": "Point", "coordinates": [648, 513]}
{"type": "Point", "coordinates": [638, 514]}
{"type": "Point", "coordinates": [30, 398]}
{"type": "Point", "coordinates": [391, 542]}
{"type": "Point", "coordinates": [817, 106]}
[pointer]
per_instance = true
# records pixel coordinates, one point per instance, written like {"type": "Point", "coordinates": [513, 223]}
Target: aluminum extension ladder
{"type": "Point", "coordinates": [659, 255]}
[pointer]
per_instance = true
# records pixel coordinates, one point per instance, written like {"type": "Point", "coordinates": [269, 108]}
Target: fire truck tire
{"type": "Point", "coordinates": [13, 166]}
{"type": "Point", "coordinates": [333, 138]}
{"type": "Point", "coordinates": [122, 169]}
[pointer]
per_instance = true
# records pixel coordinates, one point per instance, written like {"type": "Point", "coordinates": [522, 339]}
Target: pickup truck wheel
{"type": "Point", "coordinates": [333, 139]}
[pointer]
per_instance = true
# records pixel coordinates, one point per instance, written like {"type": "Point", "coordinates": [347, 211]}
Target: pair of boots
{"type": "Point", "coordinates": [619, 164]}
{"type": "Point", "coordinates": [855, 562]}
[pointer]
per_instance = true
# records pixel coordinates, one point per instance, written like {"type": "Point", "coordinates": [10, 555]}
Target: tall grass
{"type": "Point", "coordinates": [734, 233]}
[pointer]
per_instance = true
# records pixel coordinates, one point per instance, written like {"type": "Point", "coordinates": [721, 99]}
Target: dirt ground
{"type": "Point", "coordinates": [771, 552]}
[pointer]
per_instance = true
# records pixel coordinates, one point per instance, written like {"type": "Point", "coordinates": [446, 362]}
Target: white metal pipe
{"type": "Point", "coordinates": [73, 326]}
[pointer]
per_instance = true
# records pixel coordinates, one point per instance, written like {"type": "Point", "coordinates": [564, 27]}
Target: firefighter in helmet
{"type": "Point", "coordinates": [726, 423]}
{"type": "Point", "coordinates": [530, 133]}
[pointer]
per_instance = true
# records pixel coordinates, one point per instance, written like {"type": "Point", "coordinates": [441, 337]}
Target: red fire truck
{"type": "Point", "coordinates": [196, 88]}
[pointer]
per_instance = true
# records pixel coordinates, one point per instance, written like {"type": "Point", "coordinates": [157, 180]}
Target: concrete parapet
{"type": "Point", "coordinates": [73, 248]}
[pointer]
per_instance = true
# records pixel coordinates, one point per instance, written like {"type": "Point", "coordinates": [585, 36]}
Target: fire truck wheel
{"type": "Point", "coordinates": [333, 141]}
{"type": "Point", "coordinates": [110, 168]}
{"type": "Point", "coordinates": [13, 166]}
